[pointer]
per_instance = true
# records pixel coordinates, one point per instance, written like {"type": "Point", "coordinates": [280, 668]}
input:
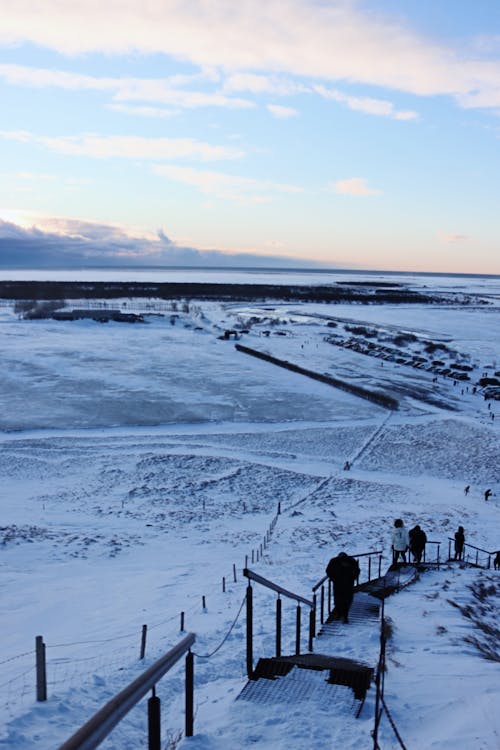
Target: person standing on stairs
{"type": "Point", "coordinates": [418, 540]}
{"type": "Point", "coordinates": [459, 543]}
{"type": "Point", "coordinates": [400, 541]}
{"type": "Point", "coordinates": [343, 570]}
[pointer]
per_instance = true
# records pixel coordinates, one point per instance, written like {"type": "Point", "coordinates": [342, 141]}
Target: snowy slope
{"type": "Point", "coordinates": [139, 464]}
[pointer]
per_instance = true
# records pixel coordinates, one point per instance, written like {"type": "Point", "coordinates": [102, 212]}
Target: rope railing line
{"type": "Point", "coordinates": [92, 641]}
{"type": "Point", "coordinates": [392, 723]}
{"type": "Point", "coordinates": [17, 677]}
{"type": "Point", "coordinates": [209, 656]}
{"type": "Point", "coordinates": [18, 656]}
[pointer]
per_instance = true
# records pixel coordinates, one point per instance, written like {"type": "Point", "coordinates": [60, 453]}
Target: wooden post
{"type": "Point", "coordinates": [246, 561]}
{"type": "Point", "coordinates": [369, 567]}
{"type": "Point", "coordinates": [278, 626]}
{"type": "Point", "coordinates": [189, 694]}
{"type": "Point", "coordinates": [154, 722]}
{"type": "Point", "coordinates": [234, 573]}
{"type": "Point", "coordinates": [249, 632]}
{"type": "Point", "coordinates": [223, 584]}
{"type": "Point", "coordinates": [41, 671]}
{"type": "Point", "coordinates": [182, 622]}
{"type": "Point", "coordinates": [143, 641]}
{"type": "Point", "coordinates": [253, 556]}
{"type": "Point", "coordinates": [203, 602]}
{"type": "Point", "coordinates": [279, 508]}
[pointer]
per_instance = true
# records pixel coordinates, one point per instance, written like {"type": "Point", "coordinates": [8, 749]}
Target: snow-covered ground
{"type": "Point", "coordinates": [143, 463]}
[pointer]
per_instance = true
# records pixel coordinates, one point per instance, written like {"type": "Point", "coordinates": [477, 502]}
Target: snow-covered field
{"type": "Point", "coordinates": [141, 464]}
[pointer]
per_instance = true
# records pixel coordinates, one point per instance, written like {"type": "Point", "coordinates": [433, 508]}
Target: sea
{"type": "Point", "coordinates": [482, 284]}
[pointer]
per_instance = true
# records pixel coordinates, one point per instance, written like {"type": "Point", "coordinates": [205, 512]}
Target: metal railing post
{"type": "Point", "coordinates": [369, 567]}
{"type": "Point", "coordinates": [249, 632]}
{"type": "Point", "coordinates": [297, 632]}
{"type": "Point", "coordinates": [278, 626]}
{"type": "Point", "coordinates": [322, 605]}
{"type": "Point", "coordinates": [312, 625]}
{"type": "Point", "coordinates": [189, 694]}
{"type": "Point", "coordinates": [154, 722]}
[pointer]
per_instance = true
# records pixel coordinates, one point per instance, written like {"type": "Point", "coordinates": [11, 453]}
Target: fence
{"type": "Point", "coordinates": [472, 557]}
{"type": "Point", "coordinates": [91, 734]}
{"type": "Point", "coordinates": [388, 402]}
{"type": "Point", "coordinates": [380, 704]}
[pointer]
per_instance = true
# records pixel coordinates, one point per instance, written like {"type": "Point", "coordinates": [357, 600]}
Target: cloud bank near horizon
{"type": "Point", "coordinates": [76, 244]}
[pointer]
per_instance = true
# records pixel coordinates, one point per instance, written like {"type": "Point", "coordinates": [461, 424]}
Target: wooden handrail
{"type": "Point", "coordinates": [97, 728]}
{"type": "Point", "coordinates": [279, 589]}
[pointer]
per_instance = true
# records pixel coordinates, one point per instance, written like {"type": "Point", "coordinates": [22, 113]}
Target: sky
{"type": "Point", "coordinates": [344, 133]}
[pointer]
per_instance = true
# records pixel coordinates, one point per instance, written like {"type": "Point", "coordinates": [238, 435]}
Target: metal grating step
{"type": "Point", "coordinates": [301, 686]}
{"type": "Point", "coordinates": [340, 671]}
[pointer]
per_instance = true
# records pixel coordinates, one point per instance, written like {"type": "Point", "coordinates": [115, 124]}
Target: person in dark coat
{"type": "Point", "coordinates": [459, 543]}
{"type": "Point", "coordinates": [418, 540]}
{"type": "Point", "coordinates": [343, 570]}
{"type": "Point", "coordinates": [496, 561]}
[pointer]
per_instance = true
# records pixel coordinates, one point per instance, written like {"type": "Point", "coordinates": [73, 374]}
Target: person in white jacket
{"type": "Point", "coordinates": [400, 541]}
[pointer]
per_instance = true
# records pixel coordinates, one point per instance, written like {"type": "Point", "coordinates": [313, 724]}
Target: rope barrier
{"type": "Point", "coordinates": [17, 676]}
{"type": "Point", "coordinates": [13, 658]}
{"type": "Point", "coordinates": [392, 723]}
{"type": "Point", "coordinates": [208, 656]}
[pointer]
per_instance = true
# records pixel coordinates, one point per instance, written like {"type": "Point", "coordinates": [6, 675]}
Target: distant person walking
{"type": "Point", "coordinates": [487, 494]}
{"type": "Point", "coordinates": [400, 541]}
{"type": "Point", "coordinates": [343, 570]}
{"type": "Point", "coordinates": [418, 540]}
{"type": "Point", "coordinates": [496, 561]}
{"type": "Point", "coordinates": [466, 489]}
{"type": "Point", "coordinates": [459, 543]}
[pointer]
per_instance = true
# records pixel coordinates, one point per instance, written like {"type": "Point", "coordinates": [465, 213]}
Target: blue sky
{"type": "Point", "coordinates": [352, 134]}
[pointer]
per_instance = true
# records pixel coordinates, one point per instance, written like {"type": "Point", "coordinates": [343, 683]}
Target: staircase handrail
{"type": "Point", "coordinates": [479, 549]}
{"type": "Point", "coordinates": [97, 728]}
{"type": "Point", "coordinates": [275, 587]}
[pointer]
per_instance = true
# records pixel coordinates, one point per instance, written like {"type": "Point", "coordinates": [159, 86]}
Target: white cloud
{"type": "Point", "coordinates": [369, 105]}
{"type": "Point", "coordinates": [354, 186]}
{"type": "Point", "coordinates": [227, 187]}
{"type": "Point", "coordinates": [257, 83]}
{"type": "Point", "coordinates": [280, 112]}
{"type": "Point", "coordinates": [144, 111]}
{"type": "Point", "coordinates": [452, 238]}
{"type": "Point", "coordinates": [160, 90]}
{"type": "Point", "coordinates": [128, 147]}
{"type": "Point", "coordinates": [335, 41]}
